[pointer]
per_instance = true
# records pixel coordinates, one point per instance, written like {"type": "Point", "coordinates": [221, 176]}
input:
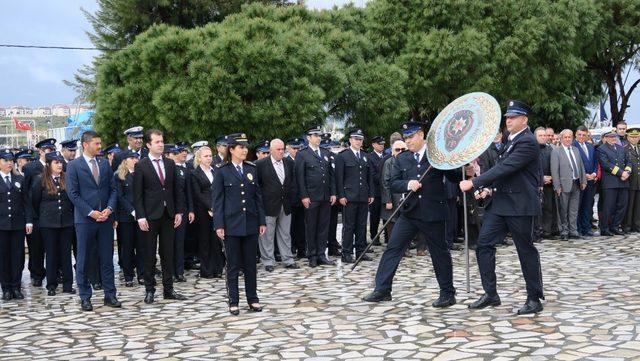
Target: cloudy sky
{"type": "Point", "coordinates": [33, 77]}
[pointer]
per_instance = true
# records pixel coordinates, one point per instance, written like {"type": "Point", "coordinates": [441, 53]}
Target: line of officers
{"type": "Point", "coordinates": [34, 204]}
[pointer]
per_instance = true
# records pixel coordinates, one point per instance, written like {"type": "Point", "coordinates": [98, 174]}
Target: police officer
{"type": "Point", "coordinates": [298, 243]}
{"type": "Point", "coordinates": [68, 150]}
{"type": "Point", "coordinates": [54, 211]}
{"type": "Point", "coordinates": [23, 157]}
{"type": "Point", "coordinates": [129, 235]}
{"type": "Point", "coordinates": [513, 184]}
{"type": "Point", "coordinates": [632, 219]}
{"type": "Point", "coordinates": [15, 221]}
{"type": "Point", "coordinates": [34, 240]}
{"type": "Point", "coordinates": [316, 187]}
{"type": "Point", "coordinates": [333, 246]}
{"type": "Point", "coordinates": [222, 144]}
{"type": "Point", "coordinates": [425, 211]}
{"type": "Point", "coordinates": [262, 149]}
{"type": "Point", "coordinates": [134, 139]}
{"type": "Point", "coordinates": [354, 185]}
{"type": "Point", "coordinates": [238, 218]}
{"type": "Point", "coordinates": [614, 187]}
{"type": "Point", "coordinates": [375, 157]}
{"type": "Point", "coordinates": [111, 151]}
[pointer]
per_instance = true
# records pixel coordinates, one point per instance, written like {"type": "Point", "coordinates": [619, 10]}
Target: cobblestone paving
{"type": "Point", "coordinates": [592, 312]}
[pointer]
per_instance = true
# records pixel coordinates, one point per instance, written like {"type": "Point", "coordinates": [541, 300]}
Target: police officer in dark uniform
{"type": "Point", "coordinates": [354, 185]}
{"type": "Point", "coordinates": [134, 138]}
{"type": "Point", "coordinates": [333, 246]}
{"type": "Point", "coordinates": [513, 184]}
{"type": "Point", "coordinates": [68, 150]}
{"type": "Point", "coordinates": [222, 144]}
{"type": "Point", "coordinates": [110, 153]}
{"type": "Point", "coordinates": [316, 187]}
{"type": "Point", "coordinates": [239, 218]}
{"type": "Point", "coordinates": [54, 211]}
{"type": "Point", "coordinates": [425, 211]}
{"type": "Point", "coordinates": [23, 157]}
{"type": "Point", "coordinates": [614, 187]}
{"type": "Point", "coordinates": [34, 240]}
{"type": "Point", "coordinates": [375, 158]}
{"type": "Point", "coordinates": [15, 221]}
{"type": "Point", "coordinates": [632, 219]}
{"type": "Point", "coordinates": [298, 243]}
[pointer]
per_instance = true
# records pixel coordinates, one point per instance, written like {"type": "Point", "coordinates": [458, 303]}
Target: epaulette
{"type": "Point", "coordinates": [250, 163]}
{"type": "Point", "coordinates": [344, 150]}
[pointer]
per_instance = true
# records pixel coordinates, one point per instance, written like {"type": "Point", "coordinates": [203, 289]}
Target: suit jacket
{"type": "Point", "coordinates": [354, 177]}
{"type": "Point", "coordinates": [87, 195]}
{"type": "Point", "coordinates": [634, 161]}
{"type": "Point", "coordinates": [376, 171]}
{"type": "Point", "coordinates": [489, 158]}
{"type": "Point", "coordinates": [183, 180]}
{"type": "Point", "coordinates": [124, 189]}
{"type": "Point", "coordinates": [201, 189]}
{"type": "Point", "coordinates": [430, 202]}
{"type": "Point", "coordinates": [314, 175]}
{"type": "Point", "coordinates": [515, 178]}
{"type": "Point", "coordinates": [614, 162]}
{"type": "Point", "coordinates": [561, 170]}
{"type": "Point", "coordinates": [14, 205]}
{"type": "Point", "coordinates": [589, 159]}
{"type": "Point", "coordinates": [152, 197]}
{"type": "Point", "coordinates": [275, 195]}
{"type": "Point", "coordinates": [51, 210]}
{"type": "Point", "coordinates": [31, 170]}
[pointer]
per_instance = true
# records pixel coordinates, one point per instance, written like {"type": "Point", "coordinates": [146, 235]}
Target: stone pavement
{"type": "Point", "coordinates": [592, 312]}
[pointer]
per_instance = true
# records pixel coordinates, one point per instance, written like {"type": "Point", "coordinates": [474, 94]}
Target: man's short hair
{"type": "Point", "coordinates": [88, 136]}
{"type": "Point", "coordinates": [540, 128]}
{"type": "Point", "coordinates": [149, 133]}
{"type": "Point", "coordinates": [582, 128]}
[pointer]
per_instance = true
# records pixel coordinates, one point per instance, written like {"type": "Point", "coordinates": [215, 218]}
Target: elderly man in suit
{"type": "Point", "coordinates": [275, 178]}
{"type": "Point", "coordinates": [569, 179]}
{"type": "Point", "coordinates": [588, 155]}
{"type": "Point", "coordinates": [92, 191]}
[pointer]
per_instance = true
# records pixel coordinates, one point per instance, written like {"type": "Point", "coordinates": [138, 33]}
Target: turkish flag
{"type": "Point", "coordinates": [20, 125]}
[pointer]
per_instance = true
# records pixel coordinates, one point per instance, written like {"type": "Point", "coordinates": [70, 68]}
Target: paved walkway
{"type": "Point", "coordinates": [592, 311]}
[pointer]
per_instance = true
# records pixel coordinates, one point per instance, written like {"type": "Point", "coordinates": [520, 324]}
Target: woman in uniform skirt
{"type": "Point", "coordinates": [238, 218]}
{"type": "Point", "coordinates": [54, 211]}
{"type": "Point", "coordinates": [127, 230]}
{"type": "Point", "coordinates": [209, 246]}
{"type": "Point", "coordinates": [15, 221]}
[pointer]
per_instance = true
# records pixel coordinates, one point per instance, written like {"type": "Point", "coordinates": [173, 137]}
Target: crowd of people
{"type": "Point", "coordinates": [209, 208]}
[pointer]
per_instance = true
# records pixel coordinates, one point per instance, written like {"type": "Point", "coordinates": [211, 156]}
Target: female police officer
{"type": "Point", "coordinates": [54, 210]}
{"type": "Point", "coordinates": [15, 220]}
{"type": "Point", "coordinates": [238, 218]}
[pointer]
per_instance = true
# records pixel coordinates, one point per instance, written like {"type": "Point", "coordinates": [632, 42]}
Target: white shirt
{"type": "Point", "coordinates": [236, 167]}
{"type": "Point", "coordinates": [278, 165]}
{"type": "Point", "coordinates": [208, 173]}
{"type": "Point", "coordinates": [4, 175]}
{"type": "Point", "coordinates": [584, 148]}
{"type": "Point", "coordinates": [88, 160]}
{"type": "Point", "coordinates": [421, 152]}
{"type": "Point", "coordinates": [380, 155]}
{"type": "Point", "coordinates": [316, 150]}
{"type": "Point", "coordinates": [511, 136]}
{"type": "Point", "coordinates": [356, 152]}
{"type": "Point", "coordinates": [155, 166]}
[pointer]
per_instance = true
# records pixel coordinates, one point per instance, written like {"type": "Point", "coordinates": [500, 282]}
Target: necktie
{"type": "Point", "coordinates": [358, 155]}
{"type": "Point", "coordinates": [94, 170]}
{"type": "Point", "coordinates": [586, 151]}
{"type": "Point", "coordinates": [280, 171]}
{"type": "Point", "coordinates": [319, 155]}
{"type": "Point", "coordinates": [417, 157]}
{"type": "Point", "coordinates": [574, 166]}
{"type": "Point", "coordinates": [8, 181]}
{"type": "Point", "coordinates": [56, 180]}
{"type": "Point", "coordinates": [239, 169]}
{"type": "Point", "coordinates": [160, 174]}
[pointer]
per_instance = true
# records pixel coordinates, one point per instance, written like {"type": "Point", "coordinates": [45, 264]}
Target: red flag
{"type": "Point", "coordinates": [20, 125]}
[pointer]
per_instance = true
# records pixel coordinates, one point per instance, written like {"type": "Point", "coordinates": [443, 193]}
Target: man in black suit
{"type": "Point", "coordinates": [298, 243]}
{"type": "Point", "coordinates": [513, 185]}
{"type": "Point", "coordinates": [275, 178]}
{"type": "Point", "coordinates": [134, 138]}
{"type": "Point", "coordinates": [159, 209]}
{"type": "Point", "coordinates": [34, 240]}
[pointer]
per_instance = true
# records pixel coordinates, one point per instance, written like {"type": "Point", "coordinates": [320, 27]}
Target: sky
{"type": "Point", "coordinates": [34, 77]}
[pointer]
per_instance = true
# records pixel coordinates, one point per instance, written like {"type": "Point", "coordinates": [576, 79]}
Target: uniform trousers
{"type": "Point", "coordinates": [241, 253]}
{"type": "Point", "coordinates": [57, 242]}
{"type": "Point", "coordinates": [316, 219]}
{"type": "Point", "coordinates": [354, 225]}
{"type": "Point", "coordinates": [11, 259]}
{"type": "Point", "coordinates": [130, 237]}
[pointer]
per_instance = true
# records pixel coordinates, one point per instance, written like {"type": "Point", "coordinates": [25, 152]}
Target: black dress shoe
{"type": "Point", "coordinates": [605, 234]}
{"type": "Point", "coordinates": [97, 286]}
{"type": "Point", "coordinates": [180, 279]}
{"type": "Point", "coordinates": [17, 294]}
{"type": "Point", "coordinates": [173, 295]}
{"type": "Point", "coordinates": [51, 292]}
{"type": "Point", "coordinates": [326, 262]}
{"type": "Point", "coordinates": [313, 263]}
{"type": "Point", "coordinates": [148, 298]}
{"type": "Point", "coordinates": [618, 232]}
{"type": "Point", "coordinates": [86, 305]}
{"type": "Point", "coordinates": [71, 291]}
{"type": "Point", "coordinates": [253, 308]}
{"type": "Point", "coordinates": [141, 281]}
{"type": "Point", "coordinates": [7, 296]}
{"type": "Point", "coordinates": [347, 259]}
{"type": "Point", "coordinates": [565, 237]}
{"type": "Point", "coordinates": [36, 283]}
{"type": "Point", "coordinates": [334, 252]}
{"type": "Point", "coordinates": [112, 302]}
{"type": "Point", "coordinates": [365, 257]}
{"type": "Point", "coordinates": [533, 305]}
{"type": "Point", "coordinates": [234, 310]}
{"type": "Point", "coordinates": [486, 301]}
{"type": "Point", "coordinates": [444, 301]}
{"type": "Point", "coordinates": [268, 268]}
{"type": "Point", "coordinates": [377, 296]}
{"type": "Point", "coordinates": [128, 283]}
{"type": "Point", "coordinates": [292, 266]}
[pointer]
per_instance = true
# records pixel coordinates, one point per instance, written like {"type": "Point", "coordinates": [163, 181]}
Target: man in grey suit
{"type": "Point", "coordinates": [569, 178]}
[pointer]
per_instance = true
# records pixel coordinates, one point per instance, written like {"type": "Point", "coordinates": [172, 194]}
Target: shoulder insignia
{"type": "Point", "coordinates": [249, 163]}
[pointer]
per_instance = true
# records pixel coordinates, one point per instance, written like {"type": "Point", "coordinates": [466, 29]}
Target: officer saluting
{"type": "Point", "coordinates": [15, 220]}
{"type": "Point", "coordinates": [316, 188]}
{"type": "Point", "coordinates": [354, 185]}
{"type": "Point", "coordinates": [513, 185]}
{"type": "Point", "coordinates": [614, 186]}
{"type": "Point", "coordinates": [425, 211]}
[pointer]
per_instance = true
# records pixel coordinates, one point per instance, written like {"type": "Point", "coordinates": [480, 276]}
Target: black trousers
{"type": "Point", "coordinates": [614, 207]}
{"type": "Point", "coordinates": [131, 238]}
{"type": "Point", "coordinates": [354, 225]}
{"type": "Point", "coordinates": [36, 253]}
{"type": "Point", "coordinates": [298, 242]}
{"type": "Point", "coordinates": [494, 230]}
{"type": "Point", "coordinates": [209, 246]}
{"type": "Point", "coordinates": [178, 247]}
{"type": "Point", "coordinates": [57, 243]}
{"type": "Point", "coordinates": [93, 267]}
{"type": "Point", "coordinates": [191, 243]}
{"type": "Point", "coordinates": [332, 242]}
{"type": "Point", "coordinates": [452, 224]}
{"type": "Point", "coordinates": [404, 231]}
{"type": "Point", "coordinates": [241, 254]}
{"type": "Point", "coordinates": [316, 219]}
{"type": "Point", "coordinates": [548, 220]}
{"type": "Point", "coordinates": [374, 216]}
{"type": "Point", "coordinates": [162, 230]}
{"type": "Point", "coordinates": [11, 259]}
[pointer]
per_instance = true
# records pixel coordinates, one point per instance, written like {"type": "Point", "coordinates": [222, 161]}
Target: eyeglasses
{"type": "Point", "coordinates": [398, 150]}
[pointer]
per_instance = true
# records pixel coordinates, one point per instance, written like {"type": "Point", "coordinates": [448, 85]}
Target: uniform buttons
{"type": "Point", "coordinates": [243, 201]}
{"type": "Point", "coordinates": [9, 208]}
{"type": "Point", "coordinates": [59, 207]}
{"type": "Point", "coordinates": [419, 196]}
{"type": "Point", "coordinates": [9, 200]}
{"type": "Point", "coordinates": [9, 216]}
{"type": "Point", "coordinates": [418, 165]}
{"type": "Point", "coordinates": [59, 201]}
{"type": "Point", "coordinates": [244, 209]}
{"type": "Point", "coordinates": [59, 193]}
{"type": "Point", "coordinates": [8, 193]}
{"type": "Point", "coordinates": [241, 192]}
{"type": "Point", "coordinates": [241, 184]}
{"type": "Point", "coordinates": [360, 183]}
{"type": "Point", "coordinates": [58, 187]}
{"type": "Point", "coordinates": [163, 189]}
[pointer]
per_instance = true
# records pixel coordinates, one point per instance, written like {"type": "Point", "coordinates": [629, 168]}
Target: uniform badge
{"type": "Point", "coordinates": [181, 173]}
{"type": "Point", "coordinates": [326, 159]}
{"type": "Point", "coordinates": [250, 176]}
{"type": "Point", "coordinates": [364, 158]}
{"type": "Point", "coordinates": [17, 184]}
